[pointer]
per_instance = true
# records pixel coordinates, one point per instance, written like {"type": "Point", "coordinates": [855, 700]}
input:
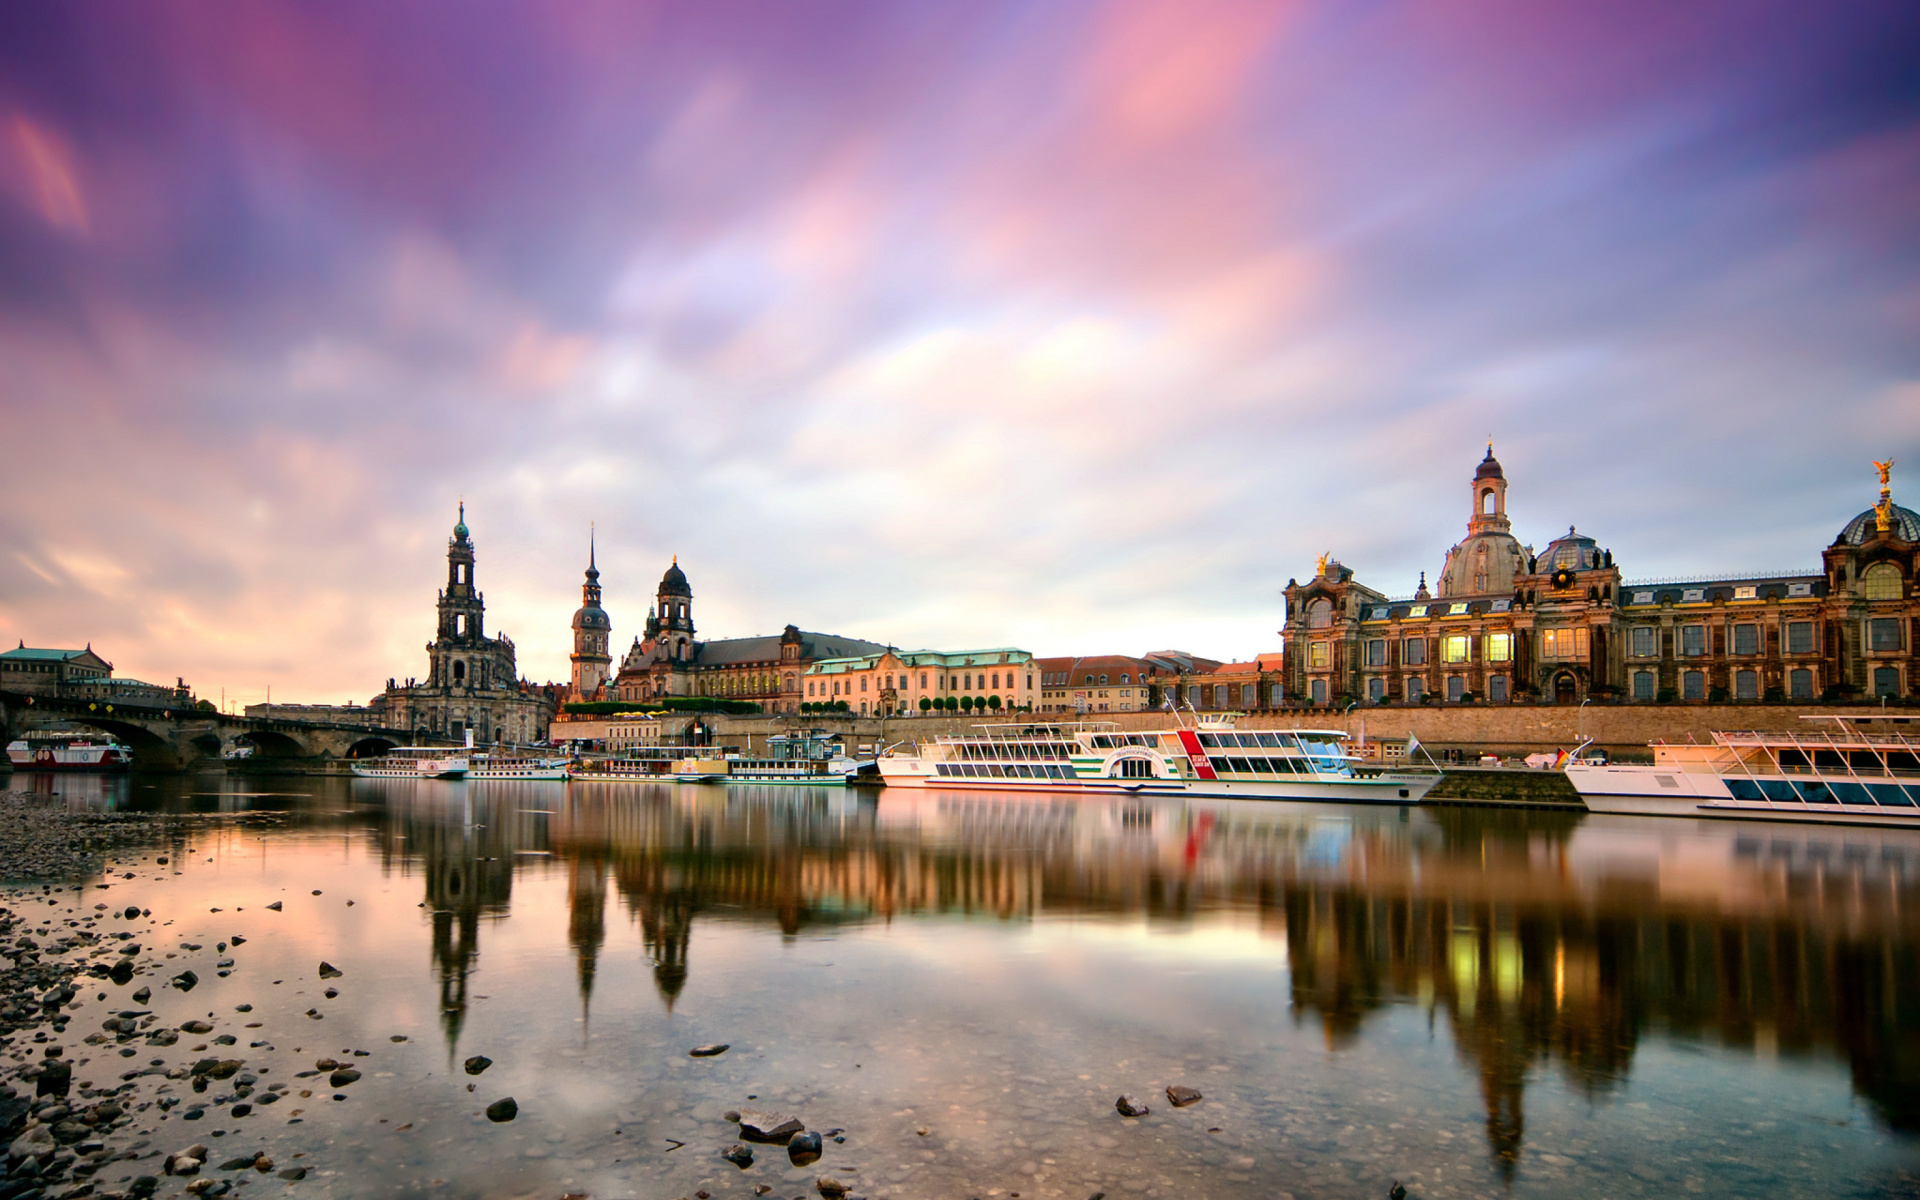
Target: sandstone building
{"type": "Point", "coordinates": [1509, 625]}
{"type": "Point", "coordinates": [472, 682]}
{"type": "Point", "coordinates": [671, 660]}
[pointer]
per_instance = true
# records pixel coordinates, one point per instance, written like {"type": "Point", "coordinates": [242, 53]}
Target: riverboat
{"type": "Point", "coordinates": [814, 759]}
{"type": "Point", "coordinates": [510, 764]}
{"type": "Point", "coordinates": [416, 762]}
{"type": "Point", "coordinates": [1850, 771]}
{"type": "Point", "coordinates": [641, 764]}
{"type": "Point", "coordinates": [68, 752]}
{"type": "Point", "coordinates": [1210, 759]}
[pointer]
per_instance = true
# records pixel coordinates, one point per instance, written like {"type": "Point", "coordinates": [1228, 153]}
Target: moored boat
{"type": "Point", "coordinates": [1211, 759]}
{"type": "Point", "coordinates": [415, 762]}
{"type": "Point", "coordinates": [1855, 770]}
{"type": "Point", "coordinates": [68, 752]}
{"type": "Point", "coordinates": [814, 758]}
{"type": "Point", "coordinates": [514, 764]}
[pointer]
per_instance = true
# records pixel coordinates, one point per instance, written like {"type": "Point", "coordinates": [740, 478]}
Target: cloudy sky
{"type": "Point", "coordinates": [1075, 326]}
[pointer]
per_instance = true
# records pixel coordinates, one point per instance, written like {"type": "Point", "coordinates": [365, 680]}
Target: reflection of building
{"type": "Point", "coordinates": [586, 918]}
{"type": "Point", "coordinates": [469, 877]}
{"type": "Point", "coordinates": [1510, 625]}
{"type": "Point", "coordinates": [471, 680]}
{"type": "Point", "coordinates": [671, 661]}
{"type": "Point", "coordinates": [896, 681]}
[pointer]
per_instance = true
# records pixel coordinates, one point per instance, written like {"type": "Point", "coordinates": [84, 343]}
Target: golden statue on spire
{"type": "Point", "coordinates": [1883, 511]}
{"type": "Point", "coordinates": [1320, 566]}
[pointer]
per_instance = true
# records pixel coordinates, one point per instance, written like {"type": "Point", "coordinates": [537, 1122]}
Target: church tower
{"type": "Point", "coordinates": [463, 615]}
{"type": "Point", "coordinates": [1487, 561]}
{"type": "Point", "coordinates": [671, 625]}
{"type": "Point", "coordinates": [591, 630]}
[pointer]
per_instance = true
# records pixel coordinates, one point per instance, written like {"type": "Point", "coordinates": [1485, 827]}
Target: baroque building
{"type": "Point", "coordinates": [472, 683]}
{"type": "Point", "coordinates": [1563, 625]}
{"type": "Point", "coordinates": [671, 660]}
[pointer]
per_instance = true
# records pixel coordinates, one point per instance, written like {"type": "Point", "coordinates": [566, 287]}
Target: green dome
{"type": "Point", "coordinates": [460, 527]}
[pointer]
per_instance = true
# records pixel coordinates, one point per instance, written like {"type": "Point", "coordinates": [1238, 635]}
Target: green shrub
{"type": "Point", "coordinates": [926, 705]}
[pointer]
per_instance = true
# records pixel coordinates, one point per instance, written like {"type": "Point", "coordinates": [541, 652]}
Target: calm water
{"type": "Point", "coordinates": [1473, 1002]}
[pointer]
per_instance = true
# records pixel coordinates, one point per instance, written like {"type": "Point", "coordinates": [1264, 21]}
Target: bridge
{"type": "Point", "coordinates": [176, 739]}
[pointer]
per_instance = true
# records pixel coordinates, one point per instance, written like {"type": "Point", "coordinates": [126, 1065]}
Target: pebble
{"type": "Point", "coordinates": [477, 1064]}
{"type": "Point", "coordinates": [1180, 1097]}
{"type": "Point", "coordinates": [740, 1156]}
{"type": "Point", "coordinates": [1127, 1106]}
{"type": "Point", "coordinates": [757, 1126]}
{"type": "Point", "coordinates": [804, 1148]}
{"type": "Point", "coordinates": [708, 1051]}
{"type": "Point", "coordinates": [502, 1110]}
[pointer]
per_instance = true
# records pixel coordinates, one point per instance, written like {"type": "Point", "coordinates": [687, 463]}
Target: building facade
{"type": "Point", "coordinates": [472, 682]}
{"type": "Point", "coordinates": [894, 682]}
{"type": "Point", "coordinates": [671, 660]}
{"type": "Point", "coordinates": [36, 672]}
{"type": "Point", "coordinates": [1563, 626]}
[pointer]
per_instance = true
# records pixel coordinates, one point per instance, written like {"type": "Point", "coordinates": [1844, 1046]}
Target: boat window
{"type": "Point", "coordinates": [1793, 759]}
{"type": "Point", "coordinates": [1744, 789]}
{"type": "Point", "coordinates": [1891, 796]}
{"type": "Point", "coordinates": [1828, 760]}
{"type": "Point", "coordinates": [1865, 762]}
{"type": "Point", "coordinates": [1816, 792]}
{"type": "Point", "coordinates": [1847, 792]}
{"type": "Point", "coordinates": [1779, 791]}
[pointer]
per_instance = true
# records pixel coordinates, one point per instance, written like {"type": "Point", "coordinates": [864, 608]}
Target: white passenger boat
{"type": "Point", "coordinates": [513, 764]}
{"type": "Point", "coordinates": [815, 759]}
{"type": "Point", "coordinates": [1212, 759]}
{"type": "Point", "coordinates": [1855, 771]}
{"type": "Point", "coordinates": [415, 762]}
{"type": "Point", "coordinates": [641, 764]}
{"type": "Point", "coordinates": [68, 752]}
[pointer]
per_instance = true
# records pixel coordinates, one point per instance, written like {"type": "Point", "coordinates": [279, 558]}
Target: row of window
{"type": "Point", "coordinates": [1065, 679]}
{"type": "Point", "coordinates": [965, 682]}
{"type": "Point", "coordinates": [1004, 770]}
{"type": "Point", "coordinates": [1885, 635]}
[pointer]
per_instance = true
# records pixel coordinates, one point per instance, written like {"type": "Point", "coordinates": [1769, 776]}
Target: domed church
{"type": "Point", "coordinates": [1506, 625]}
{"type": "Point", "coordinates": [670, 660]}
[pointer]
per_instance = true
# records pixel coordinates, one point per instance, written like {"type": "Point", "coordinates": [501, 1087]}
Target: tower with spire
{"type": "Point", "coordinates": [592, 629]}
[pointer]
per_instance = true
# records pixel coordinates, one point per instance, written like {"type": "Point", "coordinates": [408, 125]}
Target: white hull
{"type": "Point", "coordinates": [1407, 788]}
{"type": "Point", "coordinates": [517, 773]}
{"type": "Point", "coordinates": [1668, 792]}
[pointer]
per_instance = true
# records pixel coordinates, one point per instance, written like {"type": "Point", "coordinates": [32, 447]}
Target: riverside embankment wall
{"type": "Point", "coordinates": [1623, 730]}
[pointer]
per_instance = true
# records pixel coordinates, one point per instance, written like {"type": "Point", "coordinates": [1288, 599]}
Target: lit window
{"type": "Point", "coordinates": [1693, 641]}
{"type": "Point", "coordinates": [1319, 654]}
{"type": "Point", "coordinates": [1418, 610]}
{"type": "Point", "coordinates": [1746, 639]}
{"type": "Point", "coordinates": [1455, 650]}
{"type": "Point", "coordinates": [1457, 610]}
{"type": "Point", "coordinates": [1746, 593]}
{"type": "Point", "coordinates": [1499, 647]}
{"type": "Point", "coordinates": [1881, 582]}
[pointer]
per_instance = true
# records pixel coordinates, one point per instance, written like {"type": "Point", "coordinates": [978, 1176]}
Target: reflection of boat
{"type": "Point", "coordinates": [415, 762]}
{"type": "Point", "coordinates": [1868, 776]}
{"type": "Point", "coordinates": [1213, 760]}
{"type": "Point", "coordinates": [68, 752]}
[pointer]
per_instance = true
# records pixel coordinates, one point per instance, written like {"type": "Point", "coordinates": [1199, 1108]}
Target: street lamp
{"type": "Point", "coordinates": [1579, 719]}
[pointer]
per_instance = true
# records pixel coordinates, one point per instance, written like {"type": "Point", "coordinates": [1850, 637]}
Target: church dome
{"type": "Point", "coordinates": [674, 582]}
{"type": "Point", "coordinates": [460, 526]}
{"type": "Point", "coordinates": [1573, 550]}
{"type": "Point", "coordinates": [1905, 526]}
{"type": "Point", "coordinates": [592, 616]}
{"type": "Point", "coordinates": [1489, 467]}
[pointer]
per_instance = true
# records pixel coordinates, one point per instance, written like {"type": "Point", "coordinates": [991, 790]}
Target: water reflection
{"type": "Point", "coordinates": [1540, 944]}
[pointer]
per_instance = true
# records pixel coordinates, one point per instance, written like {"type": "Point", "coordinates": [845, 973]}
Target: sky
{"type": "Point", "coordinates": [1078, 327]}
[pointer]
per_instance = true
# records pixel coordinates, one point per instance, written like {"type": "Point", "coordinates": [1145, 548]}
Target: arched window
{"type": "Point", "coordinates": [1320, 612]}
{"type": "Point", "coordinates": [1488, 504]}
{"type": "Point", "coordinates": [1881, 582]}
{"type": "Point", "coordinates": [1123, 680]}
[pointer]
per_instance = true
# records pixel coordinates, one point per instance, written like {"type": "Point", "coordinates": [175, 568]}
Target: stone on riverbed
{"type": "Point", "coordinates": [329, 971]}
{"type": "Point", "coordinates": [708, 1051]}
{"type": "Point", "coordinates": [342, 1077]}
{"type": "Point", "coordinates": [274, 907]}
{"type": "Point", "coordinates": [185, 981]}
{"type": "Point", "coordinates": [740, 1156]}
{"type": "Point", "coordinates": [502, 1110]}
{"type": "Point", "coordinates": [830, 1187]}
{"type": "Point", "coordinates": [758, 1126]}
{"type": "Point", "coordinates": [1180, 1097]}
{"type": "Point", "coordinates": [1127, 1106]}
{"type": "Point", "coordinates": [477, 1064]}
{"type": "Point", "coordinates": [803, 1149]}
